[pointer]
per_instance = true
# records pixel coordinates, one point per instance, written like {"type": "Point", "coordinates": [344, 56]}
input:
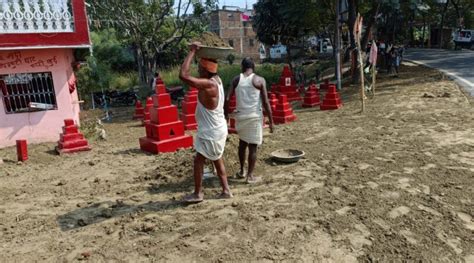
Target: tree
{"type": "Point", "coordinates": [109, 50]}
{"type": "Point", "coordinates": [154, 28]}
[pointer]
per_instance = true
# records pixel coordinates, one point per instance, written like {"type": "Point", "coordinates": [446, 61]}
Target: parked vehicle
{"type": "Point", "coordinates": [464, 38]}
{"type": "Point", "coordinates": [115, 98]}
{"type": "Point", "coordinates": [324, 46]}
{"type": "Point", "coordinates": [176, 93]}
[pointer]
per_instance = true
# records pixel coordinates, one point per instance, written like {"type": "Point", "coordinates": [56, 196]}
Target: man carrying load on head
{"type": "Point", "coordinates": [211, 136]}
{"type": "Point", "coordinates": [251, 93]}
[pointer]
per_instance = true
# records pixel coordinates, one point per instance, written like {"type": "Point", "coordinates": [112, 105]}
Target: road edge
{"type": "Point", "coordinates": [467, 86]}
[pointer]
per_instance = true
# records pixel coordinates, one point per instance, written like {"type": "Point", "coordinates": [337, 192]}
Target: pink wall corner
{"type": "Point", "coordinates": [41, 126]}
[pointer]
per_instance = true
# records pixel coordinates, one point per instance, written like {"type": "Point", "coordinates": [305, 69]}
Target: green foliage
{"type": "Point", "coordinates": [170, 76]}
{"type": "Point", "coordinates": [280, 21]}
{"type": "Point", "coordinates": [270, 72]}
{"type": "Point", "coordinates": [157, 29]}
{"type": "Point", "coordinates": [111, 67]}
{"type": "Point", "coordinates": [110, 51]}
{"type": "Point", "coordinates": [123, 81]}
{"type": "Point", "coordinates": [230, 58]}
{"type": "Point", "coordinates": [93, 76]}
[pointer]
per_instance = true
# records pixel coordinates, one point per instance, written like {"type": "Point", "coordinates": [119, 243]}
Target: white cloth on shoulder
{"type": "Point", "coordinates": [250, 130]}
{"type": "Point", "coordinates": [211, 149]}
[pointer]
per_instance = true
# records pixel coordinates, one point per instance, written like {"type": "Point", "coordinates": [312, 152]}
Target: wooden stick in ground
{"type": "Point", "coordinates": [374, 66]}
{"type": "Point", "coordinates": [357, 34]}
{"type": "Point", "coordinates": [362, 84]}
{"type": "Point", "coordinates": [373, 80]}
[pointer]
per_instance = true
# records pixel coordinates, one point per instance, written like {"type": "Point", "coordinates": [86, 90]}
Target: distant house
{"type": "Point", "coordinates": [234, 25]}
{"type": "Point", "coordinates": [37, 82]}
{"type": "Point", "coordinates": [278, 51]}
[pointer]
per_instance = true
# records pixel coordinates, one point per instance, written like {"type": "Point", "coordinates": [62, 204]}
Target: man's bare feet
{"type": "Point", "coordinates": [253, 179]}
{"type": "Point", "coordinates": [240, 175]}
{"type": "Point", "coordinates": [194, 198]}
{"type": "Point", "coordinates": [225, 195]}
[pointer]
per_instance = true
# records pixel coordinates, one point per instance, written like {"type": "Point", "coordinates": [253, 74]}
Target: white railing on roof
{"type": "Point", "coordinates": [35, 16]}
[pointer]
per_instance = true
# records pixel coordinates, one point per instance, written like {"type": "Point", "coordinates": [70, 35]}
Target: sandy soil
{"type": "Point", "coordinates": [396, 183]}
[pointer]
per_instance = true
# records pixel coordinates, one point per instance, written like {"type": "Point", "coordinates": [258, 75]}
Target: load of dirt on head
{"type": "Point", "coordinates": [209, 39]}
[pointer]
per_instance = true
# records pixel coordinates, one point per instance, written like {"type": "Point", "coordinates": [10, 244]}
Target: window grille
{"type": "Point", "coordinates": [26, 92]}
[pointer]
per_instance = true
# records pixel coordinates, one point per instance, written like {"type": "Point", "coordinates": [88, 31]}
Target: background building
{"type": "Point", "coordinates": [234, 25]}
{"type": "Point", "coordinates": [37, 82]}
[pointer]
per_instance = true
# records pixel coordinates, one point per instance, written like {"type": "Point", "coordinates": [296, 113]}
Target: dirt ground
{"type": "Point", "coordinates": [396, 183]}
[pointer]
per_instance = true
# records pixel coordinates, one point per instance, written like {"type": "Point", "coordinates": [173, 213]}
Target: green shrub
{"type": "Point", "coordinates": [93, 76]}
{"type": "Point", "coordinates": [230, 58]}
{"type": "Point", "coordinates": [271, 73]}
{"type": "Point", "coordinates": [124, 81]}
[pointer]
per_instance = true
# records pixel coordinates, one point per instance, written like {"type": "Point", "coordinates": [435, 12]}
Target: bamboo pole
{"type": "Point", "coordinates": [374, 73]}
{"type": "Point", "coordinates": [361, 70]}
{"type": "Point", "coordinates": [357, 35]}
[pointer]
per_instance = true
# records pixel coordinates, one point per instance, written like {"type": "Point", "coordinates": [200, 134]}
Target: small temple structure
{"type": "Point", "coordinates": [164, 131]}
{"type": "Point", "coordinates": [287, 86]}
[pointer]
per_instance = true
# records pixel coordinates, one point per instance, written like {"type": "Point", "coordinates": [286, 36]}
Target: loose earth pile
{"type": "Point", "coordinates": [209, 39]}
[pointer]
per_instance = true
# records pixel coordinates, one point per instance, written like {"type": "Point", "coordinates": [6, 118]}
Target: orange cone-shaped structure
{"type": "Point", "coordinates": [273, 101]}
{"type": "Point", "coordinates": [311, 98]}
{"type": "Point", "coordinates": [164, 132]}
{"type": "Point", "coordinates": [71, 140]}
{"type": "Point", "coordinates": [148, 106]}
{"type": "Point", "coordinates": [325, 85]}
{"type": "Point", "coordinates": [139, 111]}
{"type": "Point", "coordinates": [287, 85]}
{"type": "Point", "coordinates": [188, 109]}
{"type": "Point", "coordinates": [232, 107]}
{"type": "Point", "coordinates": [331, 101]}
{"type": "Point", "coordinates": [283, 112]}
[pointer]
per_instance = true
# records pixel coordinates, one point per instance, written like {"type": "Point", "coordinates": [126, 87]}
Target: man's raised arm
{"type": "Point", "coordinates": [185, 72]}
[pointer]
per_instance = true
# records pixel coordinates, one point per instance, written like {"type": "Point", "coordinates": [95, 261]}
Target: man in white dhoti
{"type": "Point", "coordinates": [251, 93]}
{"type": "Point", "coordinates": [211, 136]}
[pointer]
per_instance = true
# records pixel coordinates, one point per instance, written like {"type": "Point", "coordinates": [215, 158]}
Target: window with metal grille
{"type": "Point", "coordinates": [26, 92]}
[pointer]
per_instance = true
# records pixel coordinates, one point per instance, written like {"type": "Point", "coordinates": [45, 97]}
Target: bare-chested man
{"type": "Point", "coordinates": [211, 136]}
{"type": "Point", "coordinates": [251, 93]}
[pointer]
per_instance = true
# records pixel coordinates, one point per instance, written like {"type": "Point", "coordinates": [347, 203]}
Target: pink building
{"type": "Point", "coordinates": [37, 82]}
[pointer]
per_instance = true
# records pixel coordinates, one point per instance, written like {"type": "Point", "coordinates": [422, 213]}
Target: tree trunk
{"type": "Point", "coordinates": [351, 21]}
{"type": "Point", "coordinates": [423, 34]}
{"type": "Point", "coordinates": [442, 24]}
{"type": "Point", "coordinates": [458, 12]}
{"type": "Point", "coordinates": [141, 65]}
{"type": "Point", "coordinates": [412, 31]}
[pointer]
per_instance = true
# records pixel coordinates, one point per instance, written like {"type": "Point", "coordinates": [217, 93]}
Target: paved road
{"type": "Point", "coordinates": [459, 65]}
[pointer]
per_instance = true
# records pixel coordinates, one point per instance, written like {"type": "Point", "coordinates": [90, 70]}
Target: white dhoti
{"type": "Point", "coordinates": [250, 130]}
{"type": "Point", "coordinates": [211, 149]}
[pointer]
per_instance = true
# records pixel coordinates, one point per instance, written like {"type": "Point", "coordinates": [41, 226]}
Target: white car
{"type": "Point", "coordinates": [325, 46]}
{"type": "Point", "coordinates": [464, 38]}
